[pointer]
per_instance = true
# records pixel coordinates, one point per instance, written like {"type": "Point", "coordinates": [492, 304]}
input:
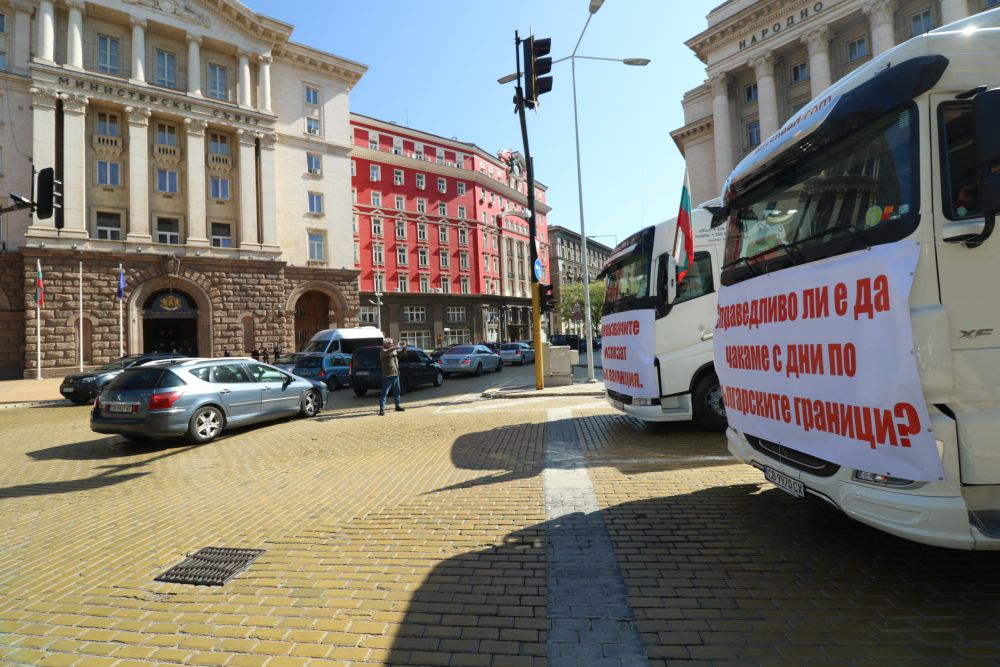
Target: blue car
{"type": "Point", "coordinates": [333, 370]}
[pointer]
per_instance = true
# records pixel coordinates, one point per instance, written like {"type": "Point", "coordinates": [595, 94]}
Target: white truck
{"type": "Point", "coordinates": [656, 346]}
{"type": "Point", "coordinates": [860, 251]}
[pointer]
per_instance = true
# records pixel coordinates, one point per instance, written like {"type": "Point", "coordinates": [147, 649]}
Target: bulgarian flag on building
{"type": "Point", "coordinates": [39, 286]}
{"type": "Point", "coordinates": [684, 239]}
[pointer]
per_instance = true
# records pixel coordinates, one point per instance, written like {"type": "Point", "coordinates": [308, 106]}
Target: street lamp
{"type": "Point", "coordinates": [635, 62]}
{"type": "Point", "coordinates": [378, 313]}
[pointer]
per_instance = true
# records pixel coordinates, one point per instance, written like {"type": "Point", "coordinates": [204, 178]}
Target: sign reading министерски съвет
{"type": "Point", "coordinates": [830, 369]}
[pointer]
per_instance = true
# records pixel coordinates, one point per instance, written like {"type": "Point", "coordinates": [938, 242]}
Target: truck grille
{"type": "Point", "coordinates": [800, 460]}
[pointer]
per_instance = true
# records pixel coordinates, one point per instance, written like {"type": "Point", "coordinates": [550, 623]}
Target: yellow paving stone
{"type": "Point", "coordinates": [171, 655]}
{"type": "Point", "coordinates": [240, 660]}
{"type": "Point", "coordinates": [134, 651]}
{"type": "Point", "coordinates": [91, 661]}
{"type": "Point", "coordinates": [237, 645]}
{"type": "Point", "coordinates": [199, 643]}
{"type": "Point", "coordinates": [345, 653]}
{"type": "Point", "coordinates": [289, 661]}
{"type": "Point", "coordinates": [209, 658]}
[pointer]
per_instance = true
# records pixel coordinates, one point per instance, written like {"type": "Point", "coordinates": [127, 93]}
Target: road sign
{"type": "Point", "coordinates": [538, 269]}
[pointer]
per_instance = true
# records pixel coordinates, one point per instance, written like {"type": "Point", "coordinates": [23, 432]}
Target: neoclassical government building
{"type": "Point", "coordinates": [764, 59]}
{"type": "Point", "coordinates": [200, 149]}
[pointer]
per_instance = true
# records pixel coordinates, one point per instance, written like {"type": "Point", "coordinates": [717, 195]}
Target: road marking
{"type": "Point", "coordinates": [587, 602]}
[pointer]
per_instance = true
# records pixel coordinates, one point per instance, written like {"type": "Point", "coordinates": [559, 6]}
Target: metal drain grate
{"type": "Point", "coordinates": [211, 566]}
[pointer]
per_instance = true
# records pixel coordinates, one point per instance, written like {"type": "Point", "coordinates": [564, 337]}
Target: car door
{"type": "Point", "coordinates": [340, 368]}
{"type": "Point", "coordinates": [239, 396]}
{"type": "Point", "coordinates": [277, 396]}
{"type": "Point", "coordinates": [426, 372]}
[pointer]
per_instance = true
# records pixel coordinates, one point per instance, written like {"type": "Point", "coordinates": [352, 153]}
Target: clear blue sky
{"type": "Point", "coordinates": [433, 65]}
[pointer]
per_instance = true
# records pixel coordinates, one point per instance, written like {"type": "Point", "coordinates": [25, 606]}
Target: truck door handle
{"type": "Point", "coordinates": [265, 389]}
{"type": "Point", "coordinates": [708, 335]}
{"type": "Point", "coordinates": [225, 391]}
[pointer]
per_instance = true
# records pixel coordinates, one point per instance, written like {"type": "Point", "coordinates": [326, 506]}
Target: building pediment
{"type": "Point", "coordinates": [224, 20]}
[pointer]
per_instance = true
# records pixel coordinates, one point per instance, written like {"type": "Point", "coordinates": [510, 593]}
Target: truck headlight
{"type": "Point", "coordinates": [876, 478]}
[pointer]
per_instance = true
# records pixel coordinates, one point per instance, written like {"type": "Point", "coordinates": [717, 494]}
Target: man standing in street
{"type": "Point", "coordinates": [389, 356]}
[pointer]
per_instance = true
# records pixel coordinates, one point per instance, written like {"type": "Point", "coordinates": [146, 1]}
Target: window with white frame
{"type": "Point", "coordinates": [496, 266]}
{"type": "Point", "coordinates": [857, 49]}
{"type": "Point", "coordinates": [397, 177]}
{"type": "Point", "coordinates": [354, 223]}
{"type": "Point", "coordinates": [921, 23]}
{"type": "Point", "coordinates": [376, 199]}
{"type": "Point", "coordinates": [373, 140]}
{"type": "Point", "coordinates": [753, 134]}
{"type": "Point", "coordinates": [446, 284]}
{"type": "Point", "coordinates": [442, 185]}
{"type": "Point", "coordinates": [442, 209]}
{"type": "Point", "coordinates": [800, 72]}
{"type": "Point", "coordinates": [218, 82]}
{"type": "Point", "coordinates": [440, 156]}
{"type": "Point", "coordinates": [414, 313]}
{"type": "Point", "coordinates": [166, 68]}
{"type": "Point", "coordinates": [465, 285]}
{"type": "Point", "coordinates": [357, 253]}
{"type": "Point", "coordinates": [420, 181]}
{"type": "Point", "coordinates": [314, 163]}
{"type": "Point", "coordinates": [218, 143]}
{"type": "Point", "coordinates": [354, 195]}
{"type": "Point", "coordinates": [378, 253]}
{"type": "Point", "coordinates": [168, 230]}
{"type": "Point", "coordinates": [376, 226]}
{"type": "Point", "coordinates": [463, 236]}
{"type": "Point", "coordinates": [443, 234]}
{"type": "Point", "coordinates": [108, 52]}
{"type": "Point", "coordinates": [463, 260]}
{"type": "Point", "coordinates": [421, 205]}
{"type": "Point", "coordinates": [313, 126]}
{"type": "Point", "coordinates": [166, 181]}
{"type": "Point", "coordinates": [422, 257]}
{"type": "Point", "coordinates": [166, 135]}
{"type": "Point", "coordinates": [455, 313]}
{"type": "Point", "coordinates": [457, 337]}
{"type": "Point", "coordinates": [401, 255]}
{"type": "Point", "coordinates": [750, 93]}
{"type": "Point", "coordinates": [461, 187]}
{"type": "Point", "coordinates": [107, 124]}
{"type": "Point", "coordinates": [403, 282]}
{"type": "Point", "coordinates": [445, 260]}
{"type": "Point", "coordinates": [354, 168]}
{"type": "Point", "coordinates": [109, 173]}
{"type": "Point", "coordinates": [397, 146]}
{"type": "Point", "coordinates": [109, 226]}
{"type": "Point", "coordinates": [219, 188]}
{"type": "Point", "coordinates": [421, 231]}
{"type": "Point", "coordinates": [317, 245]}
{"type": "Point", "coordinates": [367, 314]}
{"type": "Point", "coordinates": [222, 235]}
{"type": "Point", "coordinates": [425, 283]}
{"type": "Point", "coordinates": [311, 96]}
{"type": "Point", "coordinates": [401, 229]}
{"type": "Point", "coordinates": [316, 203]}
{"type": "Point", "coordinates": [421, 339]}
{"type": "Point", "coordinates": [400, 203]}
{"type": "Point", "coordinates": [461, 212]}
{"type": "Point", "coordinates": [378, 281]}
{"type": "Point", "coordinates": [418, 151]}
{"type": "Point", "coordinates": [374, 172]}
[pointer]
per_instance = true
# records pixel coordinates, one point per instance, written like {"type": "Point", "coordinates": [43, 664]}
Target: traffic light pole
{"type": "Point", "coordinates": [536, 300]}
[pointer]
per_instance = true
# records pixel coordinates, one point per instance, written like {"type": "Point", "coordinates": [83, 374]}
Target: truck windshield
{"type": "Point", "coordinates": [627, 274]}
{"type": "Point", "coordinates": [842, 194]}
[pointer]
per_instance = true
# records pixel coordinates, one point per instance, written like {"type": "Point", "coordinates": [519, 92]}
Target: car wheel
{"type": "Point", "coordinates": [479, 370]}
{"type": "Point", "coordinates": [360, 391]}
{"type": "Point", "coordinates": [310, 404]}
{"type": "Point", "coordinates": [522, 362]}
{"type": "Point", "coordinates": [439, 379]}
{"type": "Point", "coordinates": [707, 404]}
{"type": "Point", "coordinates": [499, 367]}
{"type": "Point", "coordinates": [205, 425]}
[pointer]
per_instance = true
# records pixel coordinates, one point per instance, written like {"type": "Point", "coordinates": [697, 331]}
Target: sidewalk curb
{"type": "Point", "coordinates": [34, 404]}
{"type": "Point", "coordinates": [528, 392]}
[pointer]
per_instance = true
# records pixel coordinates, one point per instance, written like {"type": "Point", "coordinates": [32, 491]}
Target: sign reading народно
{"type": "Point", "coordinates": [628, 348]}
{"type": "Point", "coordinates": [829, 367]}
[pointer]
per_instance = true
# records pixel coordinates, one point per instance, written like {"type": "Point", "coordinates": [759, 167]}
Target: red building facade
{"type": "Point", "coordinates": [443, 254]}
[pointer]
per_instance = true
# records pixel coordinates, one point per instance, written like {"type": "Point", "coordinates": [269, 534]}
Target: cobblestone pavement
{"type": "Point", "coordinates": [462, 532]}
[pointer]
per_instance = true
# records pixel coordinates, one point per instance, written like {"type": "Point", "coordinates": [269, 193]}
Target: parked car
{"type": "Point", "coordinates": [415, 367]}
{"type": "Point", "coordinates": [200, 398]}
{"type": "Point", "coordinates": [286, 362]}
{"type": "Point", "coordinates": [436, 353]}
{"type": "Point", "coordinates": [332, 369]}
{"type": "Point", "coordinates": [517, 353]}
{"type": "Point", "coordinates": [84, 387]}
{"type": "Point", "coordinates": [471, 360]}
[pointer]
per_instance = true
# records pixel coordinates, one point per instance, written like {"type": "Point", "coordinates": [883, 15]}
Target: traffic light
{"type": "Point", "coordinates": [535, 69]}
{"type": "Point", "coordinates": [47, 193]}
{"type": "Point", "coordinates": [547, 297]}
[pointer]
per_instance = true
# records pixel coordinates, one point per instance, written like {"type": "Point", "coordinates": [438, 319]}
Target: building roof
{"type": "Point", "coordinates": [556, 230]}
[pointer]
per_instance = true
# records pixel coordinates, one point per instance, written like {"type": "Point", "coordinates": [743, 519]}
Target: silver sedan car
{"type": "Point", "coordinates": [517, 353]}
{"type": "Point", "coordinates": [201, 397]}
{"type": "Point", "coordinates": [470, 359]}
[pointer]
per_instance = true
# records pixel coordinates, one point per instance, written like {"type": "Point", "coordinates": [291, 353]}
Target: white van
{"type": "Point", "coordinates": [344, 341]}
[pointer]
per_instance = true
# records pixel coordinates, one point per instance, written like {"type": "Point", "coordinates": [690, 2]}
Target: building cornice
{"type": "Point", "coordinates": [308, 57]}
{"type": "Point", "coordinates": [693, 130]}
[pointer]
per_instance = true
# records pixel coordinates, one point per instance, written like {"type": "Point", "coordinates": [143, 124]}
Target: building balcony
{"type": "Point", "coordinates": [167, 153]}
{"type": "Point", "coordinates": [106, 145]}
{"type": "Point", "coordinates": [219, 162]}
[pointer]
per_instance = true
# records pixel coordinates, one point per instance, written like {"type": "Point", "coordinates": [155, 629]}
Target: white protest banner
{"type": "Point", "coordinates": [827, 367]}
{"type": "Point", "coordinates": [628, 347]}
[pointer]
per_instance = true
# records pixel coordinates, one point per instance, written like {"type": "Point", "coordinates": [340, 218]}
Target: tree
{"type": "Point", "coordinates": [572, 293]}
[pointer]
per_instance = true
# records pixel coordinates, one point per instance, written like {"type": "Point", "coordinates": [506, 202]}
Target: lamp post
{"type": "Point", "coordinates": [636, 62]}
{"type": "Point", "coordinates": [378, 313]}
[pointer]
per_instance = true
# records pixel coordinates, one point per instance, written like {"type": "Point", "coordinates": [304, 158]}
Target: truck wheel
{"type": "Point", "coordinates": [707, 405]}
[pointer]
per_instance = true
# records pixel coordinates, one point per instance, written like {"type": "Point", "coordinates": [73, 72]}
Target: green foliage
{"type": "Point", "coordinates": [573, 293]}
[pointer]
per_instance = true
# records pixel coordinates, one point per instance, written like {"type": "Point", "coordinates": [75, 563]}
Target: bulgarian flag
{"type": "Point", "coordinates": [684, 239]}
{"type": "Point", "coordinates": [39, 286]}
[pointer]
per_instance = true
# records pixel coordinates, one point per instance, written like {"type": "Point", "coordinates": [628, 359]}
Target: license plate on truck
{"type": "Point", "coordinates": [784, 482]}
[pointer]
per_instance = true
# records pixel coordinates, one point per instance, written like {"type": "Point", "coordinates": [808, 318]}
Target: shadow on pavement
{"type": "Point", "coordinates": [725, 573]}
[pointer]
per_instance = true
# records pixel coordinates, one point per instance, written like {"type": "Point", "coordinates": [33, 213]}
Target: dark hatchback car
{"type": "Point", "coordinates": [84, 387]}
{"type": "Point", "coordinates": [415, 367]}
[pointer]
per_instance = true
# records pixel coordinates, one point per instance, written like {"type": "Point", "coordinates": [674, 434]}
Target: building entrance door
{"type": "Point", "coordinates": [312, 314]}
{"type": "Point", "coordinates": [170, 323]}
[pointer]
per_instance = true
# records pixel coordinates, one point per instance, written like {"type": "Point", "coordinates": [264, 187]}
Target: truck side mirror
{"type": "Point", "coordinates": [985, 111]}
{"type": "Point", "coordinates": [666, 280]}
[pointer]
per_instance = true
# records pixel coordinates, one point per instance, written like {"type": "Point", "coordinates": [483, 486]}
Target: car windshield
{"type": "Point", "coordinates": [288, 358]}
{"type": "Point", "coordinates": [462, 349]}
{"type": "Point", "coordinates": [317, 345]}
{"type": "Point", "coordinates": [119, 364]}
{"type": "Point", "coordinates": [310, 362]}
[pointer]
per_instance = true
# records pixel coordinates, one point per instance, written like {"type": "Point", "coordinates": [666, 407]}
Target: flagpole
{"type": "Point", "coordinates": [121, 331]}
{"type": "Point", "coordinates": [38, 323]}
{"type": "Point", "coordinates": [81, 316]}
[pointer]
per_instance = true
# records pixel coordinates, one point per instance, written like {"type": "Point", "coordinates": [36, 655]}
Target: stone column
{"type": "Point", "coordinates": [46, 49]}
{"type": "Point", "coordinates": [244, 81]}
{"type": "Point", "coordinates": [43, 147]}
{"type": "Point", "coordinates": [138, 175]}
{"type": "Point", "coordinates": [879, 15]}
{"type": "Point", "coordinates": [194, 65]}
{"type": "Point", "coordinates": [22, 34]}
{"type": "Point", "coordinates": [818, 43]}
{"type": "Point", "coordinates": [248, 190]}
{"type": "Point", "coordinates": [268, 197]}
{"type": "Point", "coordinates": [264, 73]}
{"type": "Point", "coordinates": [138, 51]}
{"type": "Point", "coordinates": [953, 10]}
{"type": "Point", "coordinates": [74, 173]}
{"type": "Point", "coordinates": [722, 132]}
{"type": "Point", "coordinates": [767, 95]}
{"type": "Point", "coordinates": [197, 213]}
{"type": "Point", "coordinates": [74, 35]}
